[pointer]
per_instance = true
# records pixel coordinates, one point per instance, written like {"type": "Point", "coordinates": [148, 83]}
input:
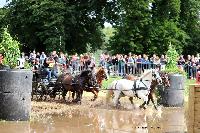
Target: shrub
{"type": "Point", "coordinates": [10, 48]}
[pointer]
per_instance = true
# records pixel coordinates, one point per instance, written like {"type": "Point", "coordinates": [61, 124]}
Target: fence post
{"type": "Point", "coordinates": [194, 109]}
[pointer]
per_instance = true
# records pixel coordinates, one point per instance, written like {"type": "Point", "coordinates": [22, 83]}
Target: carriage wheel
{"type": "Point", "coordinates": [41, 92]}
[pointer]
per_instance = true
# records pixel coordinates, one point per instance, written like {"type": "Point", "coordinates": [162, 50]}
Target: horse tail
{"type": "Point", "coordinates": [110, 91]}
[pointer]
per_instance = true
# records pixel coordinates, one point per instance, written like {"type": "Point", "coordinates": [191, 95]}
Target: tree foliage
{"type": "Point", "coordinates": [45, 24]}
{"type": "Point", "coordinates": [141, 26]}
{"type": "Point", "coordinates": [10, 47]}
{"type": "Point", "coordinates": [148, 25]}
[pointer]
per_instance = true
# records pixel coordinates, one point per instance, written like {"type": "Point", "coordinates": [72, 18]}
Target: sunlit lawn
{"type": "Point", "coordinates": [109, 81]}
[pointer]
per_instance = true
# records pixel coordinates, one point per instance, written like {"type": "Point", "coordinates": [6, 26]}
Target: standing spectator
{"type": "Point", "coordinates": [152, 61]}
{"type": "Point", "coordinates": [21, 61]}
{"type": "Point", "coordinates": [114, 64]}
{"type": "Point", "coordinates": [121, 65]}
{"type": "Point", "coordinates": [193, 67]}
{"type": "Point", "coordinates": [130, 64]}
{"type": "Point", "coordinates": [188, 66]}
{"type": "Point", "coordinates": [181, 62]}
{"type": "Point", "coordinates": [32, 57]}
{"type": "Point", "coordinates": [102, 60]}
{"type": "Point", "coordinates": [157, 62]}
{"type": "Point", "coordinates": [126, 64]}
{"type": "Point", "coordinates": [62, 60]}
{"type": "Point", "coordinates": [34, 54]}
{"type": "Point", "coordinates": [146, 62]}
{"type": "Point", "coordinates": [163, 62]}
{"type": "Point", "coordinates": [198, 57]}
{"type": "Point", "coordinates": [42, 57]}
{"type": "Point", "coordinates": [38, 55]}
{"type": "Point", "coordinates": [139, 64]}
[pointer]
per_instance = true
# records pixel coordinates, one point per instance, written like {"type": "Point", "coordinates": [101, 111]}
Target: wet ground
{"type": "Point", "coordinates": [98, 117]}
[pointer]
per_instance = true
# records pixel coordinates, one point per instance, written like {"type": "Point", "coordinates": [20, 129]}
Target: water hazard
{"type": "Point", "coordinates": [92, 120]}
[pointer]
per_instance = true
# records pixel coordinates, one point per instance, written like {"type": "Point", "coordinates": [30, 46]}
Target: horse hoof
{"type": "Point", "coordinates": [142, 107]}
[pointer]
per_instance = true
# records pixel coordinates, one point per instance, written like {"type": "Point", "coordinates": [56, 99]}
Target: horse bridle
{"type": "Point", "coordinates": [154, 75]}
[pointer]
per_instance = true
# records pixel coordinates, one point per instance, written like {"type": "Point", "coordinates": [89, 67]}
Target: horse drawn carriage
{"type": "Point", "coordinates": [42, 87]}
{"type": "Point", "coordinates": [87, 80]}
{"type": "Point", "coordinates": [91, 81]}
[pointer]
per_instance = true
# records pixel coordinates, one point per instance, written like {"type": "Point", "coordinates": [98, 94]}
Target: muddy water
{"type": "Point", "coordinates": [91, 120]}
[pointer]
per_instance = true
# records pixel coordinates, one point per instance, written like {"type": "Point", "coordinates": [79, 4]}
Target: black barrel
{"type": "Point", "coordinates": [176, 81]}
{"type": "Point", "coordinates": [15, 94]}
{"type": "Point", "coordinates": [173, 98]}
{"type": "Point", "coordinates": [174, 95]}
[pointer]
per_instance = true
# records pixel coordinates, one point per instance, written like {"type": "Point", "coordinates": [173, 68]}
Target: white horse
{"type": "Point", "coordinates": [139, 87]}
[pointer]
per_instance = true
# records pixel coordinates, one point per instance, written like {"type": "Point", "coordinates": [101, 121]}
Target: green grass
{"type": "Point", "coordinates": [187, 83]}
{"type": "Point", "coordinates": [106, 83]}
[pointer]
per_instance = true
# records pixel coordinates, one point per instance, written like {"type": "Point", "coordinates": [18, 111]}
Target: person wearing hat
{"type": "Point", "coordinates": [2, 66]}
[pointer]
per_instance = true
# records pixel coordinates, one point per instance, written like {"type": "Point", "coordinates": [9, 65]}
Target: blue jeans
{"type": "Point", "coordinates": [55, 73]}
{"type": "Point", "coordinates": [48, 73]}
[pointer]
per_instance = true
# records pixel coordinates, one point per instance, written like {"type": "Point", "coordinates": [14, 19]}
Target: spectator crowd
{"type": "Point", "coordinates": [53, 64]}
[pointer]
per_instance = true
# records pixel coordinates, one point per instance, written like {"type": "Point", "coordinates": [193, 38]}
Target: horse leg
{"type": "Point", "coordinates": [143, 105]}
{"type": "Point", "coordinates": [95, 95]}
{"type": "Point", "coordinates": [131, 100]}
{"type": "Point", "coordinates": [116, 98]}
{"type": "Point", "coordinates": [64, 92]}
{"type": "Point", "coordinates": [69, 97]}
{"type": "Point", "coordinates": [150, 97]}
{"type": "Point", "coordinates": [143, 96]}
{"type": "Point", "coordinates": [73, 95]}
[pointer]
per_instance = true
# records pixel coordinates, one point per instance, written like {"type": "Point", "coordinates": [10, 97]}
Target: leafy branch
{"type": "Point", "coordinates": [10, 48]}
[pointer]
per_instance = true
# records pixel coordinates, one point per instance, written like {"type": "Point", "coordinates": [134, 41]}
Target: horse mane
{"type": "Point", "coordinates": [100, 69]}
{"type": "Point", "coordinates": [147, 75]}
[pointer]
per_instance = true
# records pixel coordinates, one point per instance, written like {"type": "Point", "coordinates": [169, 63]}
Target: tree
{"type": "Point", "coordinates": [190, 23]}
{"type": "Point", "coordinates": [146, 26]}
{"type": "Point", "coordinates": [3, 23]}
{"type": "Point", "coordinates": [40, 24]}
{"type": "Point", "coordinates": [166, 27]}
{"type": "Point", "coordinates": [132, 27]}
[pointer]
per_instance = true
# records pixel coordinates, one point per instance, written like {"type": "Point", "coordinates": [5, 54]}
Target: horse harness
{"type": "Point", "coordinates": [135, 87]}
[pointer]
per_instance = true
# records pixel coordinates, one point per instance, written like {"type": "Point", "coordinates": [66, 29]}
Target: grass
{"type": "Point", "coordinates": [187, 83]}
{"type": "Point", "coordinates": [106, 83]}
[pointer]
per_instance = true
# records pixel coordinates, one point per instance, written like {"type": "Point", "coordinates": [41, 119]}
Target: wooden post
{"type": "Point", "coordinates": [194, 109]}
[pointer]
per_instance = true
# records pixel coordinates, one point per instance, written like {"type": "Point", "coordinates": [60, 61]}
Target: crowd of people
{"type": "Point", "coordinates": [135, 64]}
{"type": "Point", "coordinates": [55, 63]}
{"type": "Point", "coordinates": [119, 64]}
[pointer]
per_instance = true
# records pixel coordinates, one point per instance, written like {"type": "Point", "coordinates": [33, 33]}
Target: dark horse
{"type": "Point", "coordinates": [91, 81]}
{"type": "Point", "coordinates": [86, 81]}
{"type": "Point", "coordinates": [66, 83]}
